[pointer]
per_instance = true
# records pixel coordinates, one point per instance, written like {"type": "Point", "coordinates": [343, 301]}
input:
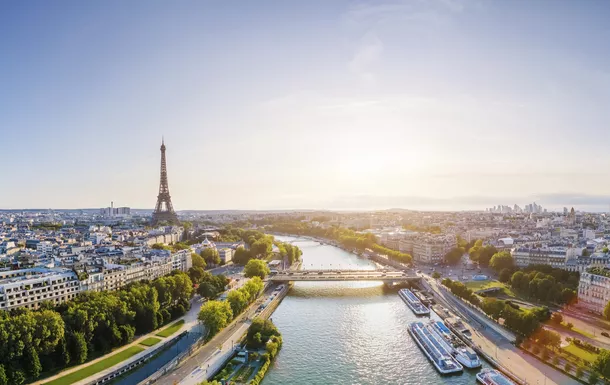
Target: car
{"type": "Point", "coordinates": [338, 272]}
{"type": "Point", "coordinates": [418, 271]}
{"type": "Point", "coordinates": [291, 273]}
{"type": "Point", "coordinates": [320, 272]}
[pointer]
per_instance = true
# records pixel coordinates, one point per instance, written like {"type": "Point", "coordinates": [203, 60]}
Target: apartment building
{"type": "Point", "coordinates": [226, 254]}
{"type": "Point", "coordinates": [557, 257]}
{"type": "Point", "coordinates": [594, 289]}
{"type": "Point", "coordinates": [29, 287]}
{"type": "Point", "coordinates": [182, 260]}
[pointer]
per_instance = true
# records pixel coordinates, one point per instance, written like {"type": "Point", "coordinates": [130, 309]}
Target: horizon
{"type": "Point", "coordinates": [441, 105]}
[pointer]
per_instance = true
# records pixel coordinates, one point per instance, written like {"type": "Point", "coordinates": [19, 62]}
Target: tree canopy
{"type": "Point", "coordinates": [256, 268]}
{"type": "Point", "coordinates": [502, 260]}
{"type": "Point", "coordinates": [50, 338]}
{"type": "Point", "coordinates": [215, 315]}
{"type": "Point", "coordinates": [454, 255]}
{"type": "Point", "coordinates": [210, 256]}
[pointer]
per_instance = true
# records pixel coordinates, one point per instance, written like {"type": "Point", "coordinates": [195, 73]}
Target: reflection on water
{"type": "Point", "coordinates": [347, 332]}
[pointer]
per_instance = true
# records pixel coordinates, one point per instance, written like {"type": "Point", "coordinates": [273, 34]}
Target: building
{"type": "Point", "coordinates": [182, 260]}
{"type": "Point", "coordinates": [594, 289]}
{"type": "Point", "coordinates": [29, 287]}
{"type": "Point", "coordinates": [226, 255]}
{"type": "Point", "coordinates": [556, 257]}
{"type": "Point", "coordinates": [45, 247]}
{"type": "Point", "coordinates": [115, 212]}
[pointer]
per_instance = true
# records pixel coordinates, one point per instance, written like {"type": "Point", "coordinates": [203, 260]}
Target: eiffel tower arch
{"type": "Point", "coordinates": [164, 210]}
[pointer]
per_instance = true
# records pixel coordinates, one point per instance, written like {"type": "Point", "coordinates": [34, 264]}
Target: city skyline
{"type": "Point", "coordinates": [438, 105]}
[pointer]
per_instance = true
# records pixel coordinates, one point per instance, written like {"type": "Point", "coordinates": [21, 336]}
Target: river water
{"type": "Point", "coordinates": [347, 332]}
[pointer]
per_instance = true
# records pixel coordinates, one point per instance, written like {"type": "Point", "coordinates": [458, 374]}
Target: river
{"type": "Point", "coordinates": [347, 332]}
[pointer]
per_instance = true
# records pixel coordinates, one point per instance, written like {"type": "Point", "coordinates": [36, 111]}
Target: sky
{"type": "Point", "coordinates": [318, 104]}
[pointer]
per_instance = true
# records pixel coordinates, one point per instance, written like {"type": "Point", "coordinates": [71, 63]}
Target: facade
{"type": "Point", "coordinates": [182, 260]}
{"type": "Point", "coordinates": [226, 255]}
{"type": "Point", "coordinates": [29, 287]}
{"type": "Point", "coordinates": [557, 257]}
{"type": "Point", "coordinates": [45, 247]}
{"type": "Point", "coordinates": [430, 251]}
{"type": "Point", "coordinates": [594, 289]}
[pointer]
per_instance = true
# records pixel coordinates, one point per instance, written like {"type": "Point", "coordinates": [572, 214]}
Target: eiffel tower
{"type": "Point", "coordinates": [164, 211]}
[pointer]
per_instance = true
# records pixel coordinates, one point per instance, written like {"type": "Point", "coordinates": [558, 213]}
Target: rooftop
{"type": "Point", "coordinates": [603, 271]}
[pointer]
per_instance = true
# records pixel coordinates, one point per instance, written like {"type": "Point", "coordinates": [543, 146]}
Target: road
{"type": "Point", "coordinates": [208, 359]}
{"type": "Point", "coordinates": [523, 365]}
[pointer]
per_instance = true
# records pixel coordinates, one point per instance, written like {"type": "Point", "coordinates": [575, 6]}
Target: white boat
{"type": "Point", "coordinates": [413, 302]}
{"type": "Point", "coordinates": [429, 343]}
{"type": "Point", "coordinates": [464, 354]}
{"type": "Point", "coordinates": [493, 377]}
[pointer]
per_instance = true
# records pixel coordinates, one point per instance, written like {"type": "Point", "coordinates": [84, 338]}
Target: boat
{"type": "Point", "coordinates": [493, 377]}
{"type": "Point", "coordinates": [413, 302]}
{"type": "Point", "coordinates": [429, 343]}
{"type": "Point", "coordinates": [462, 353]}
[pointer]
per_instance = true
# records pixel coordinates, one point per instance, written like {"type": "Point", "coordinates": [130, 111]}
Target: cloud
{"type": "Point", "coordinates": [367, 56]}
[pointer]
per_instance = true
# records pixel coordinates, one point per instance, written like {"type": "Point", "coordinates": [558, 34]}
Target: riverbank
{"type": "Point", "coordinates": [494, 347]}
{"type": "Point", "coordinates": [209, 359]}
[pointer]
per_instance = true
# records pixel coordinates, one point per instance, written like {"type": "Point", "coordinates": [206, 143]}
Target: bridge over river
{"type": "Point", "coordinates": [342, 275]}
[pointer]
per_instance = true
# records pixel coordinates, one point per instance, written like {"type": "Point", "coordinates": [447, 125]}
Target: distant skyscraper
{"type": "Point", "coordinates": [164, 211]}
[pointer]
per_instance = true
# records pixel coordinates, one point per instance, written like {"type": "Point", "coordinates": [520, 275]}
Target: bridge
{"type": "Point", "coordinates": [342, 275]}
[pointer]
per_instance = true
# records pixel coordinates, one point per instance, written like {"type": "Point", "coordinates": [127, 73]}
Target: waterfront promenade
{"type": "Point", "coordinates": [496, 346]}
{"type": "Point", "coordinates": [213, 355]}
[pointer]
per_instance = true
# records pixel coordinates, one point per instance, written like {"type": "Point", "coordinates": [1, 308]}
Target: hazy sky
{"type": "Point", "coordinates": [434, 104]}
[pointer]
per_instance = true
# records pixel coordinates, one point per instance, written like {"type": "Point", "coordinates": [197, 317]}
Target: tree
{"type": "Point", "coordinates": [33, 363]}
{"type": "Point", "coordinates": [593, 378]}
{"type": "Point", "coordinates": [454, 255]}
{"type": "Point", "coordinates": [436, 275]}
{"type": "Point", "coordinates": [198, 261]}
{"type": "Point", "coordinates": [567, 367]}
{"type": "Point", "coordinates": [3, 377]}
{"type": "Point", "coordinates": [556, 318]}
{"type": "Point", "coordinates": [256, 268]}
{"type": "Point", "coordinates": [602, 363]}
{"type": "Point", "coordinates": [17, 377]}
{"type": "Point", "coordinates": [241, 256]}
{"type": "Point", "coordinates": [215, 315]}
{"type": "Point", "coordinates": [501, 260]}
{"type": "Point", "coordinates": [78, 347]}
{"type": "Point", "coordinates": [475, 250]}
{"type": "Point", "coordinates": [160, 246]}
{"type": "Point", "coordinates": [210, 256]}
{"type": "Point", "coordinates": [260, 332]}
{"type": "Point", "coordinates": [262, 247]}
{"type": "Point", "coordinates": [505, 275]}
{"type": "Point", "coordinates": [196, 273]}
{"type": "Point", "coordinates": [579, 372]}
{"type": "Point", "coordinates": [485, 255]}
{"type": "Point", "coordinates": [238, 301]}
{"type": "Point", "coordinates": [252, 288]}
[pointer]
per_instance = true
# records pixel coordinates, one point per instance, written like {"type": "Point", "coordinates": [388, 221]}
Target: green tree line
{"type": "Point", "coordinates": [216, 315]}
{"type": "Point", "coordinates": [522, 322]}
{"type": "Point", "coordinates": [51, 338]}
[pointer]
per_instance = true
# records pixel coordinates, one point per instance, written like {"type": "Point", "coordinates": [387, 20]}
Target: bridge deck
{"type": "Point", "coordinates": [345, 275]}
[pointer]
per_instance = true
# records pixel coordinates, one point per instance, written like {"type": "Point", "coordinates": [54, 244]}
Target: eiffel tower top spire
{"type": "Point", "coordinates": [164, 210]}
